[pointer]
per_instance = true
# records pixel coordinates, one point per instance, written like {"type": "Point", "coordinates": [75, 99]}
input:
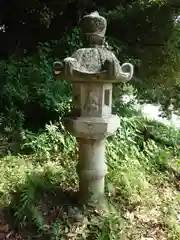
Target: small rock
{"type": "Point", "coordinates": [75, 214]}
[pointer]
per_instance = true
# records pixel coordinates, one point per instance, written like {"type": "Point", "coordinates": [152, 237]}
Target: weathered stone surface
{"type": "Point", "coordinates": [98, 59]}
{"type": "Point", "coordinates": [94, 58]}
{"type": "Point", "coordinates": [91, 168]}
{"type": "Point", "coordinates": [94, 23]}
{"type": "Point", "coordinates": [92, 70]}
{"type": "Point", "coordinates": [93, 128]}
{"type": "Point", "coordinates": [96, 99]}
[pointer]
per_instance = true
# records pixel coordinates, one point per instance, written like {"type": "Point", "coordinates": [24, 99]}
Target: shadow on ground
{"type": "Point", "coordinates": [36, 207]}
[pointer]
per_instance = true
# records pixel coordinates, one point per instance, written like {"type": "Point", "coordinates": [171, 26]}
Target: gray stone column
{"type": "Point", "coordinates": [91, 169]}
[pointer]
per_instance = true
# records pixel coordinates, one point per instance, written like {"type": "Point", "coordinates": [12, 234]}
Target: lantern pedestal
{"type": "Point", "coordinates": [91, 133]}
{"type": "Point", "coordinates": [91, 169]}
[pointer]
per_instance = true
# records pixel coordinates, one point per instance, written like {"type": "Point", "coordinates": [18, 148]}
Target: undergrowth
{"type": "Point", "coordinates": [141, 185]}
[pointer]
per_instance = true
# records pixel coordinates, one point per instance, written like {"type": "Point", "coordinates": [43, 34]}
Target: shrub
{"type": "Point", "coordinates": [30, 96]}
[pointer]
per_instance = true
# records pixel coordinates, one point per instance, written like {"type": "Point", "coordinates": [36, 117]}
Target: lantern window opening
{"type": "Point", "coordinates": [107, 97]}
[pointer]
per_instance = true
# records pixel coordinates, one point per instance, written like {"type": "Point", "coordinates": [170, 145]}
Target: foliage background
{"type": "Point", "coordinates": [142, 32]}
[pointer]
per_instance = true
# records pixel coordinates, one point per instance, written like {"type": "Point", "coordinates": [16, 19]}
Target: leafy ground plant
{"type": "Point", "coordinates": [142, 191]}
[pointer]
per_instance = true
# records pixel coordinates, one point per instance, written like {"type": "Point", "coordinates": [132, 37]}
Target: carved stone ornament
{"type": "Point", "coordinates": [93, 62]}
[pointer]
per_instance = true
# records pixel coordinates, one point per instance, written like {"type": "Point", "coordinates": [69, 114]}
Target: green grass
{"type": "Point", "coordinates": [141, 185]}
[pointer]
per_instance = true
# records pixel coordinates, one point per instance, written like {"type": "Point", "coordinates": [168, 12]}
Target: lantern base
{"type": "Point", "coordinates": [92, 127]}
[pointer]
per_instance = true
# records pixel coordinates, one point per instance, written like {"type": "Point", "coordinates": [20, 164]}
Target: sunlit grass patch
{"type": "Point", "coordinates": [142, 194]}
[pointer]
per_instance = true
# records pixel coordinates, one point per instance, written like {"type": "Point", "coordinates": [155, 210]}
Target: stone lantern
{"type": "Point", "coordinates": [92, 70]}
